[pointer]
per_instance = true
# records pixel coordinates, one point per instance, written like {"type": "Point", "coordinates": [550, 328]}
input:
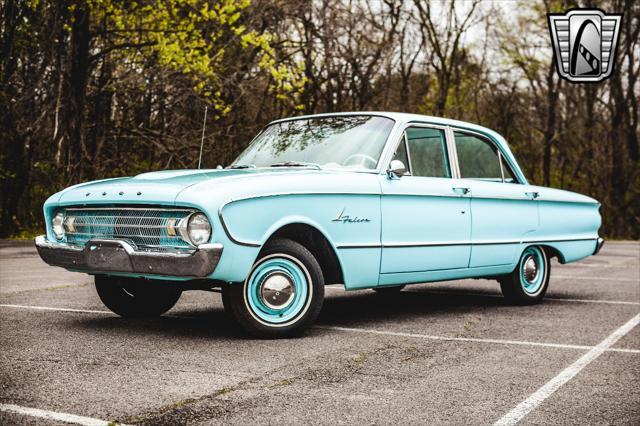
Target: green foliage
{"type": "Point", "coordinates": [5, 174]}
{"type": "Point", "coordinates": [192, 37]}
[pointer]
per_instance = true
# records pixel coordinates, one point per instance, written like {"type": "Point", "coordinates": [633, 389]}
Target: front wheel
{"type": "Point", "coordinates": [282, 295]}
{"type": "Point", "coordinates": [134, 297]}
{"type": "Point", "coordinates": [529, 281]}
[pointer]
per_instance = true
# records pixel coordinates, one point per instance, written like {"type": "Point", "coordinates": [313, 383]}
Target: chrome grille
{"type": "Point", "coordinates": [148, 228]}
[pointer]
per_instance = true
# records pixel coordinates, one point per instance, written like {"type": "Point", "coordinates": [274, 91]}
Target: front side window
{"type": "Point", "coordinates": [428, 152]}
{"type": "Point", "coordinates": [480, 159]}
{"type": "Point", "coordinates": [344, 142]}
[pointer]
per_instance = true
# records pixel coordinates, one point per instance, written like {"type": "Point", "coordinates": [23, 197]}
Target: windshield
{"type": "Point", "coordinates": [348, 142]}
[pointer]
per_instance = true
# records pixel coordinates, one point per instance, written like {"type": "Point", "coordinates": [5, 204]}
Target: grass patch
{"type": "Point", "coordinates": [27, 234]}
{"type": "Point", "coordinates": [285, 382]}
{"type": "Point", "coordinates": [360, 358]}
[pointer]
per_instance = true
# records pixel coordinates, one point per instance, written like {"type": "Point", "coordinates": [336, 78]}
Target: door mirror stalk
{"type": "Point", "coordinates": [396, 169]}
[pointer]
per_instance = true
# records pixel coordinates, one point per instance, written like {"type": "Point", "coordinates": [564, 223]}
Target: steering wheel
{"type": "Point", "coordinates": [366, 157]}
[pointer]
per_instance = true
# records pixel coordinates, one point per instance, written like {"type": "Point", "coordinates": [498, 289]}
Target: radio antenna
{"type": "Point", "coordinates": [204, 124]}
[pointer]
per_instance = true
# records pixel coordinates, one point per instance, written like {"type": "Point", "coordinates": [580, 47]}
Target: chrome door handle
{"type": "Point", "coordinates": [461, 190]}
{"type": "Point", "coordinates": [532, 195]}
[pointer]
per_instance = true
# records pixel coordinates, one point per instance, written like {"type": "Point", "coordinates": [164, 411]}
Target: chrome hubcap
{"type": "Point", "coordinates": [530, 269]}
{"type": "Point", "coordinates": [277, 291]}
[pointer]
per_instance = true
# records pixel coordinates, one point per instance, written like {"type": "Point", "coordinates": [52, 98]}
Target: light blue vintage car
{"type": "Point", "coordinates": [370, 200]}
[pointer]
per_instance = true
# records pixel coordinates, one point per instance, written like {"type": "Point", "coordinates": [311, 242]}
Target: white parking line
{"type": "Point", "coordinates": [53, 415]}
{"type": "Point", "coordinates": [470, 339]}
{"type": "Point", "coordinates": [552, 299]}
{"type": "Point", "coordinates": [571, 277]}
{"type": "Point", "coordinates": [525, 407]}
{"type": "Point", "coordinates": [51, 308]}
{"type": "Point", "coordinates": [362, 330]}
{"type": "Point", "coordinates": [606, 302]}
{"type": "Point", "coordinates": [82, 311]}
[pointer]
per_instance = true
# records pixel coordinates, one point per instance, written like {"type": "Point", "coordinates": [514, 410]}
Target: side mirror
{"type": "Point", "coordinates": [396, 169]}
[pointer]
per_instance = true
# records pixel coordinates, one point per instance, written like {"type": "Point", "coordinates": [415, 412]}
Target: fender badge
{"type": "Point", "coordinates": [348, 219]}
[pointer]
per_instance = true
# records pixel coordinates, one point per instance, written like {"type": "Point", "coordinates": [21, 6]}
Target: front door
{"type": "Point", "coordinates": [426, 218]}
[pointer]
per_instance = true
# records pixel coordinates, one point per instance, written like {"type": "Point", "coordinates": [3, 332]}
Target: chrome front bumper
{"type": "Point", "coordinates": [104, 256]}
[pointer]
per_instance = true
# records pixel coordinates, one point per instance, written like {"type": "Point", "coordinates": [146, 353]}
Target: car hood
{"type": "Point", "coordinates": [154, 187]}
{"type": "Point", "coordinates": [163, 186]}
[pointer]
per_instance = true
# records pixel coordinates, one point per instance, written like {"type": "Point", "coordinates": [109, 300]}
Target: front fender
{"type": "Point", "coordinates": [249, 223]}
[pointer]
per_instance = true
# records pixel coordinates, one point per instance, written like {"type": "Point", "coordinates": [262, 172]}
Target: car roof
{"type": "Point", "coordinates": [405, 118]}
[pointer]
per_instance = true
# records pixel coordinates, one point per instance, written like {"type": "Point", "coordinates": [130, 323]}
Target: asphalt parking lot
{"type": "Point", "coordinates": [435, 353]}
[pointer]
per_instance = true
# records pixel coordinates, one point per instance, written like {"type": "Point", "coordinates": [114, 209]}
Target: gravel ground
{"type": "Point", "coordinates": [435, 353]}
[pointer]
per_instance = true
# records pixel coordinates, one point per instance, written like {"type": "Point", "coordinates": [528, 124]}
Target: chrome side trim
{"type": "Point", "coordinates": [360, 246]}
{"type": "Point", "coordinates": [558, 240]}
{"type": "Point", "coordinates": [425, 244]}
{"type": "Point", "coordinates": [105, 256]}
{"type": "Point", "coordinates": [496, 243]}
{"type": "Point", "coordinates": [411, 194]}
{"type": "Point", "coordinates": [460, 243]}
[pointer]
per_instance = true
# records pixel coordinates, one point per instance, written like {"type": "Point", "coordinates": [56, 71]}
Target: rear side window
{"type": "Point", "coordinates": [428, 152]}
{"type": "Point", "coordinates": [480, 159]}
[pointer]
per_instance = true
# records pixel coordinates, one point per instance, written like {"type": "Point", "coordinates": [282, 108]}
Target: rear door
{"type": "Point", "coordinates": [503, 211]}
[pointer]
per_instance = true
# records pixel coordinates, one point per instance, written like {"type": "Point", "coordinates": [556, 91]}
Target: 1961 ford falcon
{"type": "Point", "coordinates": [370, 200]}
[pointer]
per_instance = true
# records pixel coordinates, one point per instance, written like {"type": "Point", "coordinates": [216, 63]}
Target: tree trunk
{"type": "Point", "coordinates": [13, 168]}
{"type": "Point", "coordinates": [76, 87]}
{"type": "Point", "coordinates": [550, 128]}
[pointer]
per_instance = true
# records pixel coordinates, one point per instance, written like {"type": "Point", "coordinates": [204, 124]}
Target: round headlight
{"type": "Point", "coordinates": [199, 229]}
{"type": "Point", "coordinates": [58, 225]}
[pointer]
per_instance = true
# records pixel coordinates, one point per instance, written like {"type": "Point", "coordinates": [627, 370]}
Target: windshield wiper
{"type": "Point", "coordinates": [296, 164]}
{"type": "Point", "coordinates": [242, 166]}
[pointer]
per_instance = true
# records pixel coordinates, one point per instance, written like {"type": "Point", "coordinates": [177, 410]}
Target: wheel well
{"type": "Point", "coordinates": [553, 252]}
{"type": "Point", "coordinates": [314, 241]}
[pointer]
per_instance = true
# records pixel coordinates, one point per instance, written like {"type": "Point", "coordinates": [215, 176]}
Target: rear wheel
{"type": "Point", "coordinates": [529, 281]}
{"type": "Point", "coordinates": [388, 290]}
{"type": "Point", "coordinates": [134, 297]}
{"type": "Point", "coordinates": [282, 295]}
